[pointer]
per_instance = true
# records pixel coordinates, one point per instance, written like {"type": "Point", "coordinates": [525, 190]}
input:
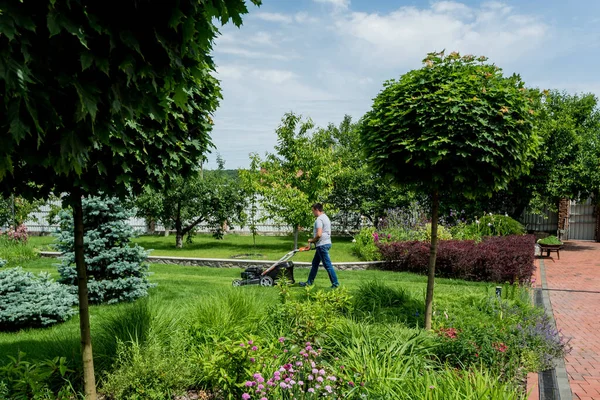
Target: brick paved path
{"type": "Point", "coordinates": [577, 312]}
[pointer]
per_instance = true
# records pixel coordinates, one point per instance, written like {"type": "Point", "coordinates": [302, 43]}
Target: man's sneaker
{"type": "Point", "coordinates": [304, 284]}
{"type": "Point", "coordinates": [335, 286]}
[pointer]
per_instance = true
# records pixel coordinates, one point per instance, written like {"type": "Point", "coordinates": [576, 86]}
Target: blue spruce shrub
{"type": "Point", "coordinates": [116, 269]}
{"type": "Point", "coordinates": [27, 301]}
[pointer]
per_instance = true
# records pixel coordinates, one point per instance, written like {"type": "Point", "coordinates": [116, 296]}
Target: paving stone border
{"type": "Point", "coordinates": [231, 263]}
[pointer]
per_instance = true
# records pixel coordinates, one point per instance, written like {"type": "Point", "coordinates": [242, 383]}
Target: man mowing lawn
{"type": "Point", "coordinates": [322, 240]}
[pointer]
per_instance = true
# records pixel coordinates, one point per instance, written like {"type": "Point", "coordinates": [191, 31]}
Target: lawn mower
{"type": "Point", "coordinates": [259, 276]}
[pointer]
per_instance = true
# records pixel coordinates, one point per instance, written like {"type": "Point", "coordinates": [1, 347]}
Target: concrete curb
{"type": "Point", "coordinates": [234, 263]}
{"type": "Point", "coordinates": [560, 371]}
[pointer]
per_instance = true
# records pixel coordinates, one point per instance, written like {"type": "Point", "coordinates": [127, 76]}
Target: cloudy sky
{"type": "Point", "coordinates": [327, 58]}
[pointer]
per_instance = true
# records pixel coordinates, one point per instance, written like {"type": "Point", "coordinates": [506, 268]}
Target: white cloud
{"type": "Point", "coordinates": [339, 4]}
{"type": "Point", "coordinates": [403, 36]}
{"type": "Point", "coordinates": [333, 61]}
{"type": "Point", "coordinates": [238, 51]}
{"type": "Point", "coordinates": [273, 17]}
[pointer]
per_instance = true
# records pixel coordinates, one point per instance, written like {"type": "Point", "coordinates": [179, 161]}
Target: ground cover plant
{"type": "Point", "coordinates": [196, 334]}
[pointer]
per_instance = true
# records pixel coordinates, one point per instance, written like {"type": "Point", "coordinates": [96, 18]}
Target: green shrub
{"type": "Point", "coordinates": [376, 301]}
{"type": "Point", "coordinates": [311, 319]}
{"type": "Point", "coordinates": [499, 225]}
{"type": "Point", "coordinates": [116, 269]}
{"type": "Point", "coordinates": [423, 233]}
{"type": "Point", "coordinates": [41, 380]}
{"type": "Point", "coordinates": [229, 315]}
{"type": "Point", "coordinates": [30, 301]}
{"type": "Point", "coordinates": [551, 241]}
{"type": "Point", "coordinates": [365, 245]}
{"type": "Point", "coordinates": [474, 384]}
{"type": "Point", "coordinates": [151, 371]}
{"type": "Point", "coordinates": [382, 358]}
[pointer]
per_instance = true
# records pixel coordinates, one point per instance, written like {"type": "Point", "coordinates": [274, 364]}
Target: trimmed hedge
{"type": "Point", "coordinates": [495, 259]}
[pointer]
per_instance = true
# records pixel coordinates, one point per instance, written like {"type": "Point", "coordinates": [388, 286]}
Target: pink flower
{"type": "Point", "coordinates": [351, 383]}
{"type": "Point", "coordinates": [260, 380]}
{"type": "Point", "coordinates": [256, 375]}
{"type": "Point", "coordinates": [249, 384]}
{"type": "Point", "coordinates": [322, 372]}
{"type": "Point", "coordinates": [320, 379]}
{"type": "Point", "coordinates": [315, 371]}
{"type": "Point", "coordinates": [246, 396]}
{"type": "Point", "coordinates": [331, 378]}
{"type": "Point", "coordinates": [261, 386]}
{"type": "Point", "coordinates": [252, 359]}
{"type": "Point", "coordinates": [254, 348]}
{"type": "Point", "coordinates": [264, 398]}
{"type": "Point", "coordinates": [250, 342]}
{"type": "Point", "coordinates": [310, 377]}
{"type": "Point", "coordinates": [301, 383]}
{"type": "Point", "coordinates": [328, 388]}
{"type": "Point", "coordinates": [283, 385]}
{"type": "Point", "coordinates": [241, 344]}
{"type": "Point", "coordinates": [311, 390]}
{"type": "Point", "coordinates": [281, 339]}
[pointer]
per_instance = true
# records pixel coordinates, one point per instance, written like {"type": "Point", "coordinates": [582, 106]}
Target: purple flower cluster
{"type": "Point", "coordinates": [304, 377]}
{"type": "Point", "coordinates": [18, 234]}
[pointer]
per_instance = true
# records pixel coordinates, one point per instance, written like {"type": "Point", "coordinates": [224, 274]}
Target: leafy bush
{"type": "Point", "coordinates": [504, 336]}
{"type": "Point", "coordinates": [376, 301]}
{"type": "Point", "coordinates": [365, 245]}
{"type": "Point", "coordinates": [551, 241]}
{"type": "Point", "coordinates": [15, 252]}
{"type": "Point", "coordinates": [29, 301]}
{"type": "Point", "coordinates": [499, 225]}
{"type": "Point", "coordinates": [23, 379]}
{"type": "Point", "coordinates": [311, 319]}
{"type": "Point", "coordinates": [495, 259]}
{"type": "Point", "coordinates": [116, 269]}
{"type": "Point", "coordinates": [153, 371]}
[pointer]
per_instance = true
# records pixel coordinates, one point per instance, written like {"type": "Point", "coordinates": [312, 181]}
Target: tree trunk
{"type": "Point", "coordinates": [432, 255]}
{"type": "Point", "coordinates": [179, 240]}
{"type": "Point", "coordinates": [89, 379]}
{"type": "Point", "coordinates": [295, 236]}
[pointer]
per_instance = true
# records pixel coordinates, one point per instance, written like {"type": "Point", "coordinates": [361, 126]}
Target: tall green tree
{"type": "Point", "coordinates": [569, 165]}
{"type": "Point", "coordinates": [207, 197]}
{"type": "Point", "coordinates": [105, 97]}
{"type": "Point", "coordinates": [457, 125]}
{"type": "Point", "coordinates": [358, 188]}
{"type": "Point", "coordinates": [299, 174]}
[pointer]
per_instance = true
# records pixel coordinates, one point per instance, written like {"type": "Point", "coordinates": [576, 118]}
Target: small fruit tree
{"type": "Point", "coordinates": [455, 125]}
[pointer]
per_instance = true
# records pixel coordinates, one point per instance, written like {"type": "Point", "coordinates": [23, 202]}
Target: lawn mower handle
{"type": "Point", "coordinates": [289, 255]}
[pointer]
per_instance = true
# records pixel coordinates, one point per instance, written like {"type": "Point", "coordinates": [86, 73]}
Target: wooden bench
{"type": "Point", "coordinates": [551, 248]}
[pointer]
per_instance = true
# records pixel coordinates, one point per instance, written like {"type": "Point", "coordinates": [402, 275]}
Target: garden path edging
{"type": "Point", "coordinates": [233, 263]}
{"type": "Point", "coordinates": [559, 373]}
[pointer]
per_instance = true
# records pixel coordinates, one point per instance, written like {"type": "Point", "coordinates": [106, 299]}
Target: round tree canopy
{"type": "Point", "coordinates": [455, 124]}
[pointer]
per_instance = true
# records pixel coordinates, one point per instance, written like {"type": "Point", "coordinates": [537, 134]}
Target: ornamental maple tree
{"type": "Point", "coordinates": [103, 97]}
{"type": "Point", "coordinates": [457, 125]}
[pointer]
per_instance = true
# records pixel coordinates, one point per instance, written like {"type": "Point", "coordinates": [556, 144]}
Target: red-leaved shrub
{"type": "Point", "coordinates": [495, 259]}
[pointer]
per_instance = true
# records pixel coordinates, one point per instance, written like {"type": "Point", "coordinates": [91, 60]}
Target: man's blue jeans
{"type": "Point", "coordinates": [322, 254]}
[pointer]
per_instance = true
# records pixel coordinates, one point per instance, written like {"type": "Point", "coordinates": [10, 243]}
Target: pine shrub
{"type": "Point", "coordinates": [27, 301]}
{"type": "Point", "coordinates": [116, 269]}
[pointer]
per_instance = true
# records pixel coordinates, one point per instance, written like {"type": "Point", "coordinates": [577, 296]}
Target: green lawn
{"type": "Point", "coordinates": [232, 246]}
{"type": "Point", "coordinates": [181, 289]}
